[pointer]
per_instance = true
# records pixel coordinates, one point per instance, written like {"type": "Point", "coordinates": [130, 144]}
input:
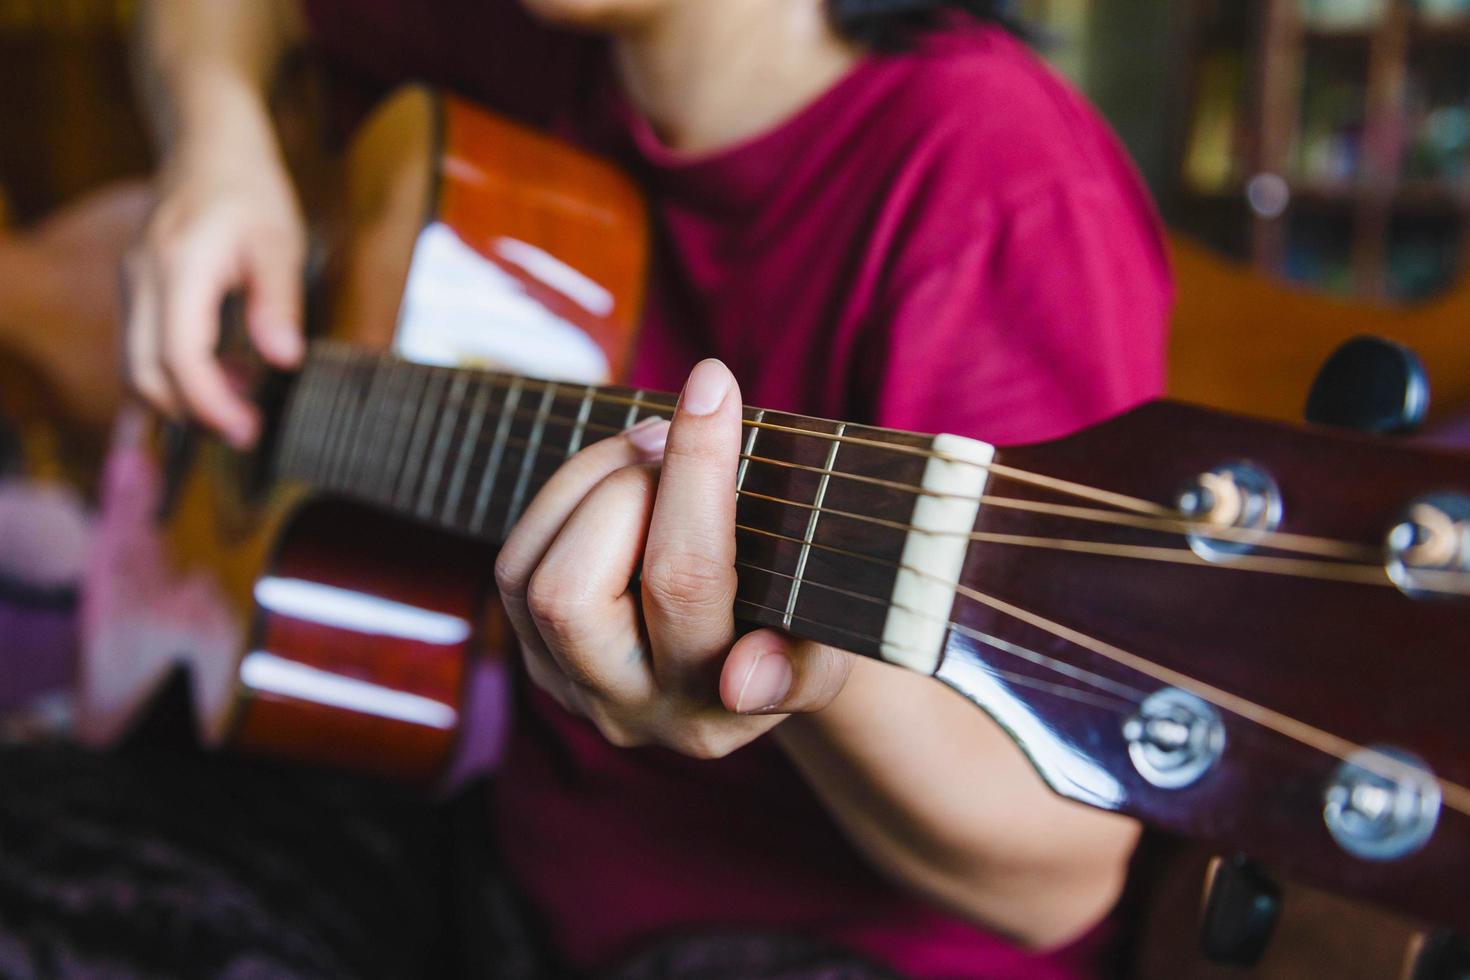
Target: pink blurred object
{"type": "Point", "coordinates": [139, 618]}
{"type": "Point", "coordinates": [44, 529]}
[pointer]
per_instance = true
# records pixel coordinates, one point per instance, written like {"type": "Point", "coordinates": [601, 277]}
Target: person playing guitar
{"type": "Point", "coordinates": [887, 211]}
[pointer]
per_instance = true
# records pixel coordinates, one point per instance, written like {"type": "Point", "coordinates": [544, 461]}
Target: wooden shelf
{"type": "Point", "coordinates": [1413, 195]}
{"type": "Point", "coordinates": [1339, 36]}
{"type": "Point", "coordinates": [1382, 60]}
{"type": "Point", "coordinates": [1455, 31]}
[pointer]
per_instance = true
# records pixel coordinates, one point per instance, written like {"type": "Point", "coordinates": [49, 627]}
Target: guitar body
{"type": "Point", "coordinates": [312, 628]}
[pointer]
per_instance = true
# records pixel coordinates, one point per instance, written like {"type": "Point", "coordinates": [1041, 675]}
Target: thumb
{"type": "Point", "coordinates": [768, 672]}
{"type": "Point", "coordinates": [273, 313]}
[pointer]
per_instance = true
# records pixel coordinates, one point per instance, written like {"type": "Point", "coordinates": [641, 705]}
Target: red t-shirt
{"type": "Point", "coordinates": [949, 239]}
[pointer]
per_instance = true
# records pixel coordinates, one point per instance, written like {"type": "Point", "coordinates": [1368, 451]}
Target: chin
{"type": "Point", "coordinates": [594, 14]}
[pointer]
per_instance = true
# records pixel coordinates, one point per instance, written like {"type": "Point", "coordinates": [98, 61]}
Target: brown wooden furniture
{"type": "Point", "coordinates": [1259, 62]}
{"type": "Point", "coordinates": [1248, 343]}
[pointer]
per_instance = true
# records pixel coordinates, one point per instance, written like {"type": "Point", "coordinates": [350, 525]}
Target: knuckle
{"type": "Point", "coordinates": [688, 580]}
{"type": "Point", "coordinates": [620, 737]}
{"type": "Point", "coordinates": [613, 729]}
{"type": "Point", "coordinates": [706, 742]}
{"type": "Point", "coordinates": [509, 578]}
{"type": "Point", "coordinates": [175, 359]}
{"type": "Point", "coordinates": [555, 605]}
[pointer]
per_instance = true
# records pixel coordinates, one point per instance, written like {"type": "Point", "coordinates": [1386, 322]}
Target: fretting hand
{"type": "Point", "coordinates": [652, 658]}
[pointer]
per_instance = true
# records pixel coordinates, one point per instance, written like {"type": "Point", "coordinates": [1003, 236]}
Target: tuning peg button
{"type": "Point", "coordinates": [1242, 907]}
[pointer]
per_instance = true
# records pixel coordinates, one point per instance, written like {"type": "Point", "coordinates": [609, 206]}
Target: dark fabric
{"type": "Point", "coordinates": [159, 861]}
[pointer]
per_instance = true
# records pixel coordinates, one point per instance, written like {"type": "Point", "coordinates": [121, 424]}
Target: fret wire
{"type": "Point", "coordinates": [385, 421]}
{"type": "Point", "coordinates": [335, 423]}
{"type": "Point", "coordinates": [289, 448]}
{"type": "Point", "coordinates": [466, 449]}
{"type": "Point", "coordinates": [321, 438]}
{"type": "Point", "coordinates": [379, 412]}
{"type": "Point", "coordinates": [632, 417]}
{"type": "Point", "coordinates": [447, 422]}
{"type": "Point", "coordinates": [581, 427]}
{"type": "Point", "coordinates": [402, 432]}
{"type": "Point", "coordinates": [449, 419]}
{"type": "Point", "coordinates": [749, 448]}
{"type": "Point", "coordinates": [368, 430]}
{"type": "Point", "coordinates": [497, 453]}
{"type": "Point", "coordinates": [352, 415]}
{"type": "Point", "coordinates": [351, 418]}
{"type": "Point", "coordinates": [811, 527]}
{"type": "Point", "coordinates": [528, 460]}
{"type": "Point", "coordinates": [316, 434]}
{"type": "Point", "coordinates": [413, 462]}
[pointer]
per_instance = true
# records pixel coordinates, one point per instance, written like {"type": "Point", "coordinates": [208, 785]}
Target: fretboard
{"type": "Point", "coordinates": [846, 534]}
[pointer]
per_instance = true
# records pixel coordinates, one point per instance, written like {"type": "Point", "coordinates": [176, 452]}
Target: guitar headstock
{"type": "Point", "coordinates": [1244, 632]}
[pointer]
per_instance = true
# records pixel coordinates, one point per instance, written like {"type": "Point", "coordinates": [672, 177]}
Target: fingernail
{"type": "Point", "coordinates": [706, 388]}
{"type": "Point", "coordinates": [765, 686]}
{"type": "Point", "coordinates": [649, 436]}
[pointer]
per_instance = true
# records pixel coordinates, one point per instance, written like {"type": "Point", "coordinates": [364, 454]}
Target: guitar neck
{"type": "Point", "coordinates": [846, 534]}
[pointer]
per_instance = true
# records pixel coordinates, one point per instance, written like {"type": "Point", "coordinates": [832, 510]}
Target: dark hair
{"type": "Point", "coordinates": [889, 25]}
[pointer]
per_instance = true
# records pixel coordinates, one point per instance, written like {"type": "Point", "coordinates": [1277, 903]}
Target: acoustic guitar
{"type": "Point", "coordinates": [1238, 631]}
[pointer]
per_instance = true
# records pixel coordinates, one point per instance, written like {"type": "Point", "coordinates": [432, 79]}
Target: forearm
{"type": "Point", "coordinates": [202, 67]}
{"type": "Point", "coordinates": [937, 797]}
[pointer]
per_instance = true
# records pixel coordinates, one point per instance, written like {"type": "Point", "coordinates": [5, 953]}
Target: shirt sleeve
{"type": "Point", "coordinates": [1048, 317]}
{"type": "Point", "coordinates": [491, 51]}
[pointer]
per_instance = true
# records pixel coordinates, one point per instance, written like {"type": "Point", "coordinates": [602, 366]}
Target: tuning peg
{"type": "Point", "coordinates": [1370, 385]}
{"type": "Point", "coordinates": [1442, 955]}
{"type": "Point", "coordinates": [1242, 907]}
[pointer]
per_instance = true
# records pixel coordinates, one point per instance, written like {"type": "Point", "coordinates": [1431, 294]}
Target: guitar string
{"type": "Point", "coordinates": [1065, 486]}
{"type": "Point", "coordinates": [1341, 748]}
{"type": "Point", "coordinates": [1454, 794]}
{"type": "Point", "coordinates": [1361, 574]}
{"type": "Point", "coordinates": [1123, 692]}
{"type": "Point", "coordinates": [1060, 690]}
{"type": "Point", "coordinates": [1307, 544]}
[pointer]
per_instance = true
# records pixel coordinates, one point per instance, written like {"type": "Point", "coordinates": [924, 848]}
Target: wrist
{"type": "Point", "coordinates": [221, 115]}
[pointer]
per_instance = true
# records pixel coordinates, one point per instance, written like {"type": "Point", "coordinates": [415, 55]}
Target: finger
{"type": "Point", "coordinates": [558, 498]}
{"type": "Point", "coordinates": [689, 567]}
{"type": "Point", "coordinates": [192, 292]}
{"type": "Point", "coordinates": [768, 672]}
{"type": "Point", "coordinates": [544, 673]}
{"type": "Point", "coordinates": [274, 280]}
{"type": "Point", "coordinates": [140, 338]}
{"type": "Point", "coordinates": [543, 520]}
{"type": "Point", "coordinates": [579, 597]}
